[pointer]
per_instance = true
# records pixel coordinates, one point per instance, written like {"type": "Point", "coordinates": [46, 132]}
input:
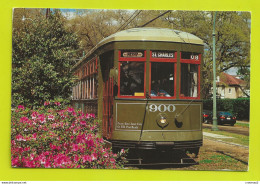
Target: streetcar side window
{"type": "Point", "coordinates": [132, 78]}
{"type": "Point", "coordinates": [189, 80]}
{"type": "Point", "coordinates": [162, 79]}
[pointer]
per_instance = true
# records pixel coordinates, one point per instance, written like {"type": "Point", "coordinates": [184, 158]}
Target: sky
{"type": "Point", "coordinates": [232, 71]}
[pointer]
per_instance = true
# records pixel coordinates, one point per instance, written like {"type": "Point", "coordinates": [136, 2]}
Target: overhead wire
{"type": "Point", "coordinates": [126, 20]}
{"type": "Point", "coordinates": [130, 19]}
{"type": "Point", "coordinates": [150, 21]}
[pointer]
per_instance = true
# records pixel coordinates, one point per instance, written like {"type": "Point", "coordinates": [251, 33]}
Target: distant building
{"type": "Point", "coordinates": [229, 86]}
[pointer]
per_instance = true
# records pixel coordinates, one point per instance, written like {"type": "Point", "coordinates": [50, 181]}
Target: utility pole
{"type": "Point", "coordinates": [215, 123]}
{"type": "Point", "coordinates": [48, 10]}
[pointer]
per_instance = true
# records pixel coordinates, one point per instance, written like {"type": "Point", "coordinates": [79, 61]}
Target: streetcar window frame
{"type": "Point", "coordinates": [86, 86]}
{"type": "Point", "coordinates": [163, 60]}
{"type": "Point", "coordinates": [194, 61]}
{"type": "Point", "coordinates": [131, 59]}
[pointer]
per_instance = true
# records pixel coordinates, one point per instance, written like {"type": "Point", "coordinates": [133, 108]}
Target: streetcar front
{"type": "Point", "coordinates": [158, 105]}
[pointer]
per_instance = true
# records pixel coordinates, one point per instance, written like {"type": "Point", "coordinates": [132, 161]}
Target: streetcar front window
{"type": "Point", "coordinates": [132, 78]}
{"type": "Point", "coordinates": [189, 80]}
{"type": "Point", "coordinates": [162, 79]}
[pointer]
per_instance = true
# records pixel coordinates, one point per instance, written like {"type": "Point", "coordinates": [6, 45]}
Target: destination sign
{"type": "Point", "coordinates": [162, 54]}
{"type": "Point", "coordinates": [137, 54]}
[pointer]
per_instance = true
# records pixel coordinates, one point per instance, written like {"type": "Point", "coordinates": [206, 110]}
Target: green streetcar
{"type": "Point", "coordinates": [144, 84]}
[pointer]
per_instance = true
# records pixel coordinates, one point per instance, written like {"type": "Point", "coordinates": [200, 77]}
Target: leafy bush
{"type": "Point", "coordinates": [56, 137]}
{"type": "Point", "coordinates": [42, 56]}
{"type": "Point", "coordinates": [240, 106]}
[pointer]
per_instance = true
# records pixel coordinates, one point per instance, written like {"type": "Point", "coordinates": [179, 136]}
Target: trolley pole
{"type": "Point", "coordinates": [215, 123]}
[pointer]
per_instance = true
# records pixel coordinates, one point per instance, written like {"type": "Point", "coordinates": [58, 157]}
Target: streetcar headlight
{"type": "Point", "coordinates": [162, 120]}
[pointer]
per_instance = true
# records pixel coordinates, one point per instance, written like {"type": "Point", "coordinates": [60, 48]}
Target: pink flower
{"type": "Point", "coordinates": [46, 103]}
{"type": "Point", "coordinates": [83, 122]}
{"type": "Point", "coordinates": [86, 158]}
{"type": "Point", "coordinates": [19, 137]}
{"type": "Point", "coordinates": [92, 128]}
{"type": "Point", "coordinates": [90, 143]}
{"type": "Point", "coordinates": [47, 153]}
{"type": "Point", "coordinates": [42, 159]}
{"type": "Point", "coordinates": [47, 165]}
{"type": "Point", "coordinates": [87, 116]}
{"type": "Point", "coordinates": [57, 103]}
{"type": "Point", "coordinates": [106, 155]}
{"type": "Point", "coordinates": [122, 151]}
{"type": "Point", "coordinates": [61, 113]}
{"type": "Point", "coordinates": [112, 160]}
{"type": "Point", "coordinates": [15, 161]}
{"type": "Point", "coordinates": [101, 140]}
{"type": "Point", "coordinates": [13, 142]}
{"type": "Point", "coordinates": [52, 146]}
{"type": "Point", "coordinates": [81, 148]}
{"type": "Point", "coordinates": [31, 156]}
{"type": "Point", "coordinates": [94, 156]}
{"type": "Point", "coordinates": [70, 109]}
{"type": "Point", "coordinates": [51, 117]}
{"type": "Point", "coordinates": [21, 107]}
{"type": "Point", "coordinates": [34, 115]}
{"type": "Point", "coordinates": [80, 138]}
{"type": "Point", "coordinates": [23, 119]}
{"type": "Point", "coordinates": [34, 136]}
{"type": "Point", "coordinates": [75, 147]}
{"type": "Point", "coordinates": [58, 148]}
{"type": "Point", "coordinates": [76, 158]}
{"type": "Point", "coordinates": [89, 136]}
{"type": "Point", "coordinates": [41, 118]}
{"type": "Point", "coordinates": [74, 113]}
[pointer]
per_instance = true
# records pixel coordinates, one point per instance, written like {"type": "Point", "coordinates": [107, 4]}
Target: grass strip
{"type": "Point", "coordinates": [236, 138]}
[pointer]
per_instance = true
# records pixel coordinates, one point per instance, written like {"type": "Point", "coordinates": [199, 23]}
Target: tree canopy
{"type": "Point", "coordinates": [43, 53]}
{"type": "Point", "coordinates": [232, 30]}
{"type": "Point", "coordinates": [232, 39]}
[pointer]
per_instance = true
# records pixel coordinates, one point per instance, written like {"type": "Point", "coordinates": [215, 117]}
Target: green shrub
{"type": "Point", "coordinates": [240, 106]}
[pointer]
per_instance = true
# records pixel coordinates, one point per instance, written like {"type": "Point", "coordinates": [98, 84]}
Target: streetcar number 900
{"type": "Point", "coordinates": [162, 108]}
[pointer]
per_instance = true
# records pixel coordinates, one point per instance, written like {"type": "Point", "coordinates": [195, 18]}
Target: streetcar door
{"type": "Point", "coordinates": [108, 108]}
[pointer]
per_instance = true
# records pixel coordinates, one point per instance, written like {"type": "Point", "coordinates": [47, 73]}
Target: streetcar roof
{"type": "Point", "coordinates": [152, 34]}
{"type": "Point", "coordinates": [148, 34]}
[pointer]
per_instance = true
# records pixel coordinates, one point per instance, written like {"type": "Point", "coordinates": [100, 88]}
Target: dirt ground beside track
{"type": "Point", "coordinates": [237, 152]}
{"type": "Point", "coordinates": [219, 156]}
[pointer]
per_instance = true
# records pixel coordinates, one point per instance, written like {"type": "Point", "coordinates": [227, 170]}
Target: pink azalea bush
{"type": "Point", "coordinates": [56, 137]}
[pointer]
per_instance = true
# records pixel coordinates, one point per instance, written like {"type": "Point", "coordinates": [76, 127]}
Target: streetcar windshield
{"type": "Point", "coordinates": [132, 78]}
{"type": "Point", "coordinates": [162, 79]}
